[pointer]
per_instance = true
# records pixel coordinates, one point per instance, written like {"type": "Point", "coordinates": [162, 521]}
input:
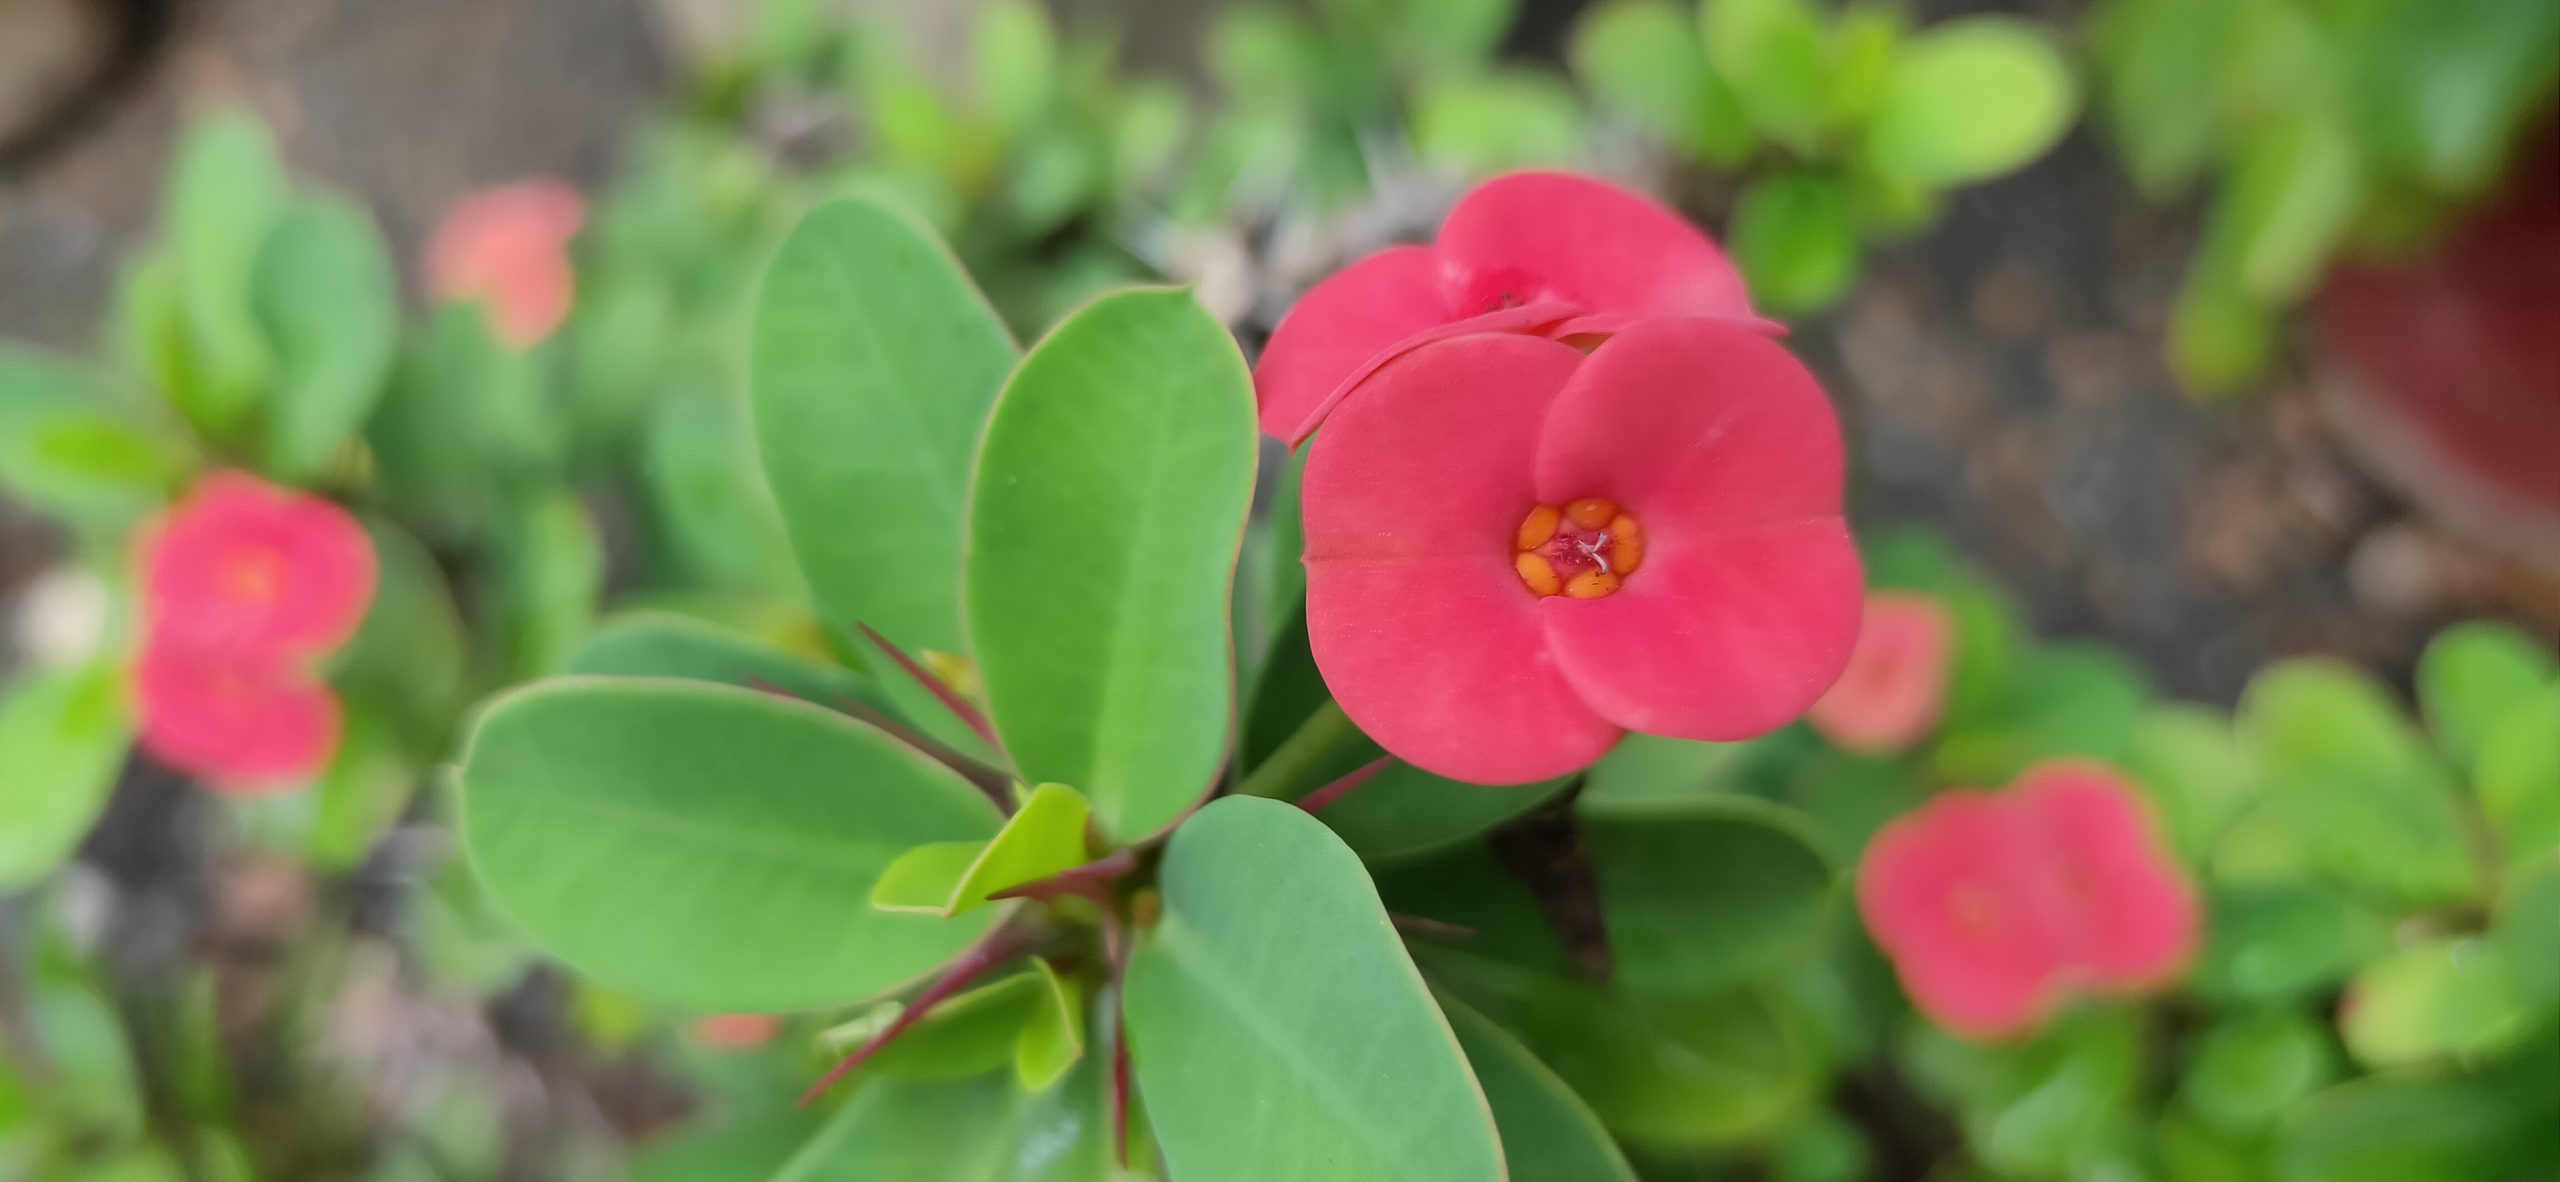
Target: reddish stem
{"type": "Point", "coordinates": [1091, 881]}
{"type": "Point", "coordinates": [1415, 925]}
{"type": "Point", "coordinates": [948, 696]}
{"type": "Point", "coordinates": [1115, 946]}
{"type": "Point", "coordinates": [986, 779]}
{"type": "Point", "coordinates": [973, 964]}
{"type": "Point", "coordinates": [1343, 787]}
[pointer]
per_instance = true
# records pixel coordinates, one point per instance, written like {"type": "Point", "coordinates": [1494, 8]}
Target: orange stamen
{"type": "Point", "coordinates": [1583, 549]}
{"type": "Point", "coordinates": [1592, 512]}
{"type": "Point", "coordinates": [1539, 574]}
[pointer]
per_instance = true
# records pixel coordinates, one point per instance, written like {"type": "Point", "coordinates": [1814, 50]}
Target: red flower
{"type": "Point", "coordinates": [245, 585]}
{"type": "Point", "coordinates": [1516, 552]}
{"type": "Point", "coordinates": [1993, 908]}
{"type": "Point", "coordinates": [1896, 684]}
{"type": "Point", "coordinates": [509, 246]}
{"type": "Point", "coordinates": [1551, 253]}
{"type": "Point", "coordinates": [244, 724]}
{"type": "Point", "coordinates": [243, 565]}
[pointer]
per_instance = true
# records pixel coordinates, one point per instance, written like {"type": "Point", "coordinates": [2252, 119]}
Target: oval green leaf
{"type": "Point", "coordinates": [874, 362]}
{"type": "Point", "coordinates": [328, 297]}
{"type": "Point", "coordinates": [1278, 1030]}
{"type": "Point", "coordinates": [62, 740]}
{"type": "Point", "coordinates": [1548, 1133]}
{"type": "Point", "coordinates": [708, 847]}
{"type": "Point", "coordinates": [1708, 894]}
{"type": "Point", "coordinates": [1109, 507]}
{"type": "Point", "coordinates": [1970, 99]}
{"type": "Point", "coordinates": [665, 644]}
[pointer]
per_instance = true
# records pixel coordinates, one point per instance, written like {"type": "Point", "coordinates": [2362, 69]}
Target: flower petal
{"type": "Point", "coordinates": [1895, 685]}
{"type": "Point", "coordinates": [1340, 328]}
{"type": "Point", "coordinates": [1718, 638]}
{"type": "Point", "coordinates": [1420, 625]}
{"type": "Point", "coordinates": [1953, 895]}
{"type": "Point", "coordinates": [1698, 425]}
{"type": "Point", "coordinates": [240, 725]}
{"type": "Point", "coordinates": [1553, 236]}
{"type": "Point", "coordinates": [245, 564]}
{"type": "Point", "coordinates": [2135, 920]}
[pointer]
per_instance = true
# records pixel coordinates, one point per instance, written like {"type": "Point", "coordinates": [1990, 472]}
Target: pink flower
{"type": "Point", "coordinates": [245, 586]}
{"type": "Point", "coordinates": [1896, 684]}
{"type": "Point", "coordinates": [509, 246]}
{"type": "Point", "coordinates": [245, 725]}
{"type": "Point", "coordinates": [242, 565]}
{"type": "Point", "coordinates": [1995, 907]}
{"type": "Point", "coordinates": [736, 1032]}
{"type": "Point", "coordinates": [1516, 552]}
{"type": "Point", "coordinates": [1540, 252]}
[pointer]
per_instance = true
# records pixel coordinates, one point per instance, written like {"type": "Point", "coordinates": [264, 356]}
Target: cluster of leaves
{"type": "Point", "coordinates": [2321, 128]}
{"type": "Point", "coordinates": [1848, 125]}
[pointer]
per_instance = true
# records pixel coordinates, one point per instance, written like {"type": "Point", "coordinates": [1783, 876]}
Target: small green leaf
{"type": "Point", "coordinates": [1111, 500]}
{"type": "Point", "coordinates": [2518, 776]}
{"type": "Point", "coordinates": [1772, 53]}
{"type": "Point", "coordinates": [1970, 99]}
{"type": "Point", "coordinates": [1278, 1031]}
{"type": "Point", "coordinates": [2030, 1110]}
{"type": "Point", "coordinates": [2192, 765]}
{"type": "Point", "coordinates": [1052, 1038]}
{"type": "Point", "coordinates": [2527, 933]}
{"type": "Point", "coordinates": [985, 1129]}
{"type": "Point", "coordinates": [1644, 58]}
{"type": "Point", "coordinates": [1015, 51]}
{"type": "Point", "coordinates": [1795, 236]}
{"type": "Point", "coordinates": [2291, 195]}
{"type": "Point", "coordinates": [925, 879]}
{"type": "Point", "coordinates": [2471, 675]}
{"type": "Point", "coordinates": [226, 191]}
{"type": "Point", "coordinates": [62, 740]}
{"type": "Point", "coordinates": [362, 794]}
{"type": "Point", "coordinates": [67, 447]}
{"type": "Point", "coordinates": [706, 847]}
{"type": "Point", "coordinates": [1706, 895]}
{"type": "Point", "coordinates": [327, 296]}
{"type": "Point", "coordinates": [545, 584]}
{"type": "Point", "coordinates": [1548, 1133]}
{"type": "Point", "coordinates": [2251, 1069]}
{"type": "Point", "coordinates": [873, 366]}
{"type": "Point", "coordinates": [2385, 1129]}
{"type": "Point", "coordinates": [1507, 119]}
{"type": "Point", "coordinates": [2444, 998]}
{"type": "Point", "coordinates": [2220, 336]}
{"type": "Point", "coordinates": [1406, 812]}
{"type": "Point", "coordinates": [664, 644]}
{"type": "Point", "coordinates": [2344, 766]}
{"type": "Point", "coordinates": [2281, 942]}
{"type": "Point", "coordinates": [966, 1035]}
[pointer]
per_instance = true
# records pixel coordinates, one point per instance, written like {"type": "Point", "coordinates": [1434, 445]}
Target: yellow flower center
{"type": "Point", "coordinates": [1583, 549]}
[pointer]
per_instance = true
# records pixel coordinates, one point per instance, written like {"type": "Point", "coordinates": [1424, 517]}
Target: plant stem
{"type": "Point", "coordinates": [1285, 775]}
{"type": "Point", "coordinates": [993, 951]}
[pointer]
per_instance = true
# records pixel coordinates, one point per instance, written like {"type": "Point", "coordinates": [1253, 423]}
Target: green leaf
{"type": "Point", "coordinates": [545, 584]}
{"type": "Point", "coordinates": [1503, 120]}
{"type": "Point", "coordinates": [62, 740]}
{"type": "Point", "coordinates": [1668, 1073]}
{"type": "Point", "coordinates": [2031, 1110]}
{"type": "Point", "coordinates": [985, 1129]}
{"type": "Point", "coordinates": [2251, 1069]}
{"type": "Point", "coordinates": [1970, 99]}
{"type": "Point", "coordinates": [664, 644]}
{"type": "Point", "coordinates": [1406, 812]}
{"type": "Point", "coordinates": [1706, 895]}
{"type": "Point", "coordinates": [361, 796]}
{"type": "Point", "coordinates": [2291, 194]}
{"type": "Point", "coordinates": [874, 364]}
{"type": "Point", "coordinates": [2443, 998]}
{"type": "Point", "coordinates": [2281, 942]}
{"type": "Point", "coordinates": [2160, 60]}
{"type": "Point", "coordinates": [1045, 836]}
{"type": "Point", "coordinates": [2220, 336]}
{"type": "Point", "coordinates": [2518, 777]}
{"type": "Point", "coordinates": [1644, 58]}
{"type": "Point", "coordinates": [714, 529]}
{"type": "Point", "coordinates": [2059, 700]}
{"type": "Point", "coordinates": [226, 191]}
{"type": "Point", "coordinates": [2192, 766]}
{"type": "Point", "coordinates": [1052, 1039]}
{"type": "Point", "coordinates": [924, 880]}
{"type": "Point", "coordinates": [966, 1035]}
{"type": "Point", "coordinates": [1278, 1031]}
{"type": "Point", "coordinates": [2472, 675]}
{"type": "Point", "coordinates": [1548, 1133]}
{"type": "Point", "coordinates": [706, 847]}
{"type": "Point", "coordinates": [2527, 933]}
{"type": "Point", "coordinates": [1795, 236]}
{"type": "Point", "coordinates": [66, 447]}
{"type": "Point", "coordinates": [2349, 773]}
{"type": "Point", "coordinates": [328, 298]}
{"type": "Point", "coordinates": [1111, 500]}
{"type": "Point", "coordinates": [2395, 1130]}
{"type": "Point", "coordinates": [1772, 53]}
{"type": "Point", "coordinates": [1015, 51]}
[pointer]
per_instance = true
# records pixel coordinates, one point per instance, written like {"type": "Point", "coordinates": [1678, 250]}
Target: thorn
{"type": "Point", "coordinates": [1343, 787]}
{"type": "Point", "coordinates": [941, 690]}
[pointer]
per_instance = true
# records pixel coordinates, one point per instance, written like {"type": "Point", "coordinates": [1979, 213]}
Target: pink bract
{"type": "Point", "coordinates": [1957, 896]}
{"type": "Point", "coordinates": [244, 726]}
{"type": "Point", "coordinates": [243, 566]}
{"type": "Point", "coordinates": [1895, 687]}
{"type": "Point", "coordinates": [508, 246]}
{"type": "Point", "coordinates": [1541, 252]}
{"type": "Point", "coordinates": [1705, 432]}
{"type": "Point", "coordinates": [1995, 907]}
